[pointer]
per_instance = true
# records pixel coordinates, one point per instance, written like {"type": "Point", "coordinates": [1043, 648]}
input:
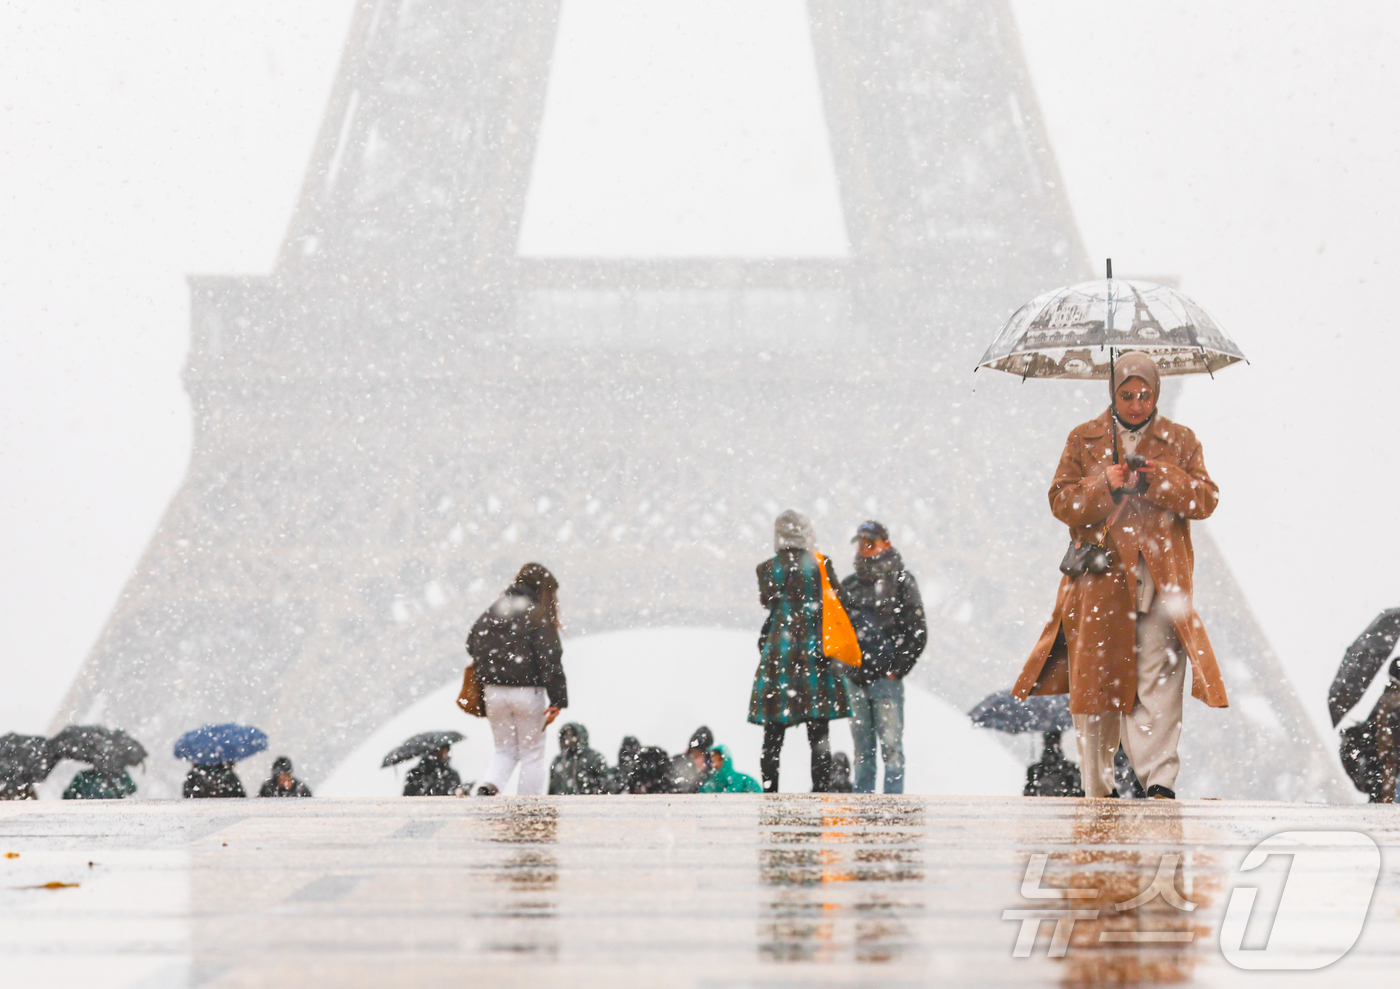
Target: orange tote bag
{"type": "Point", "coordinates": [838, 635]}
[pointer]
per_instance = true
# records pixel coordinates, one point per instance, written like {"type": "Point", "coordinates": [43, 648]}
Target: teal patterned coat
{"type": "Point", "coordinates": [795, 682]}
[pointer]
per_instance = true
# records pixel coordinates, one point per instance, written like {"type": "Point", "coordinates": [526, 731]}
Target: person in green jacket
{"type": "Point", "coordinates": [724, 778]}
{"type": "Point", "coordinates": [92, 785]}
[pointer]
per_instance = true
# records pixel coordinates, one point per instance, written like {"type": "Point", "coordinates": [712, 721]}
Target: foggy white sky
{"type": "Point", "coordinates": [1247, 148]}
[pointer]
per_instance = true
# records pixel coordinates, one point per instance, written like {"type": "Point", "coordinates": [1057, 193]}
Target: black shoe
{"type": "Point", "coordinates": [487, 790]}
{"type": "Point", "coordinates": [1159, 792]}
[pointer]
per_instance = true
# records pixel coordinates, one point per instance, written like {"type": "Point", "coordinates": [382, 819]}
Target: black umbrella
{"type": "Point", "coordinates": [1362, 661]}
{"type": "Point", "coordinates": [108, 750]}
{"type": "Point", "coordinates": [1005, 713]}
{"type": "Point", "coordinates": [25, 759]}
{"type": "Point", "coordinates": [422, 744]}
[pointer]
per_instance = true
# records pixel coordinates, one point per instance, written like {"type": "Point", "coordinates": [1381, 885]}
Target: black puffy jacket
{"type": "Point", "coordinates": [888, 595]}
{"type": "Point", "coordinates": [512, 645]}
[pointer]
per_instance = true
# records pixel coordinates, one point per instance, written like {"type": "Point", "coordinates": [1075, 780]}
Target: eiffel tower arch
{"type": "Point", "coordinates": [406, 409]}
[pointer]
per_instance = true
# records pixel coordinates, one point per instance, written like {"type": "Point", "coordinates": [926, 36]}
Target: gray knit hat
{"type": "Point", "coordinates": [793, 530]}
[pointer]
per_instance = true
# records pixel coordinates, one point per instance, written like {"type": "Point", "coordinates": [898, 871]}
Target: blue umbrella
{"type": "Point", "coordinates": [213, 744]}
{"type": "Point", "coordinates": [1003, 712]}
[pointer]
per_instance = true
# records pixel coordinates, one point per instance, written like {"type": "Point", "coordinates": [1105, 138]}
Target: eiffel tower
{"type": "Point", "coordinates": [405, 409]}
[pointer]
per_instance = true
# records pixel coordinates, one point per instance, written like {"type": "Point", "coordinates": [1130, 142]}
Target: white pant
{"type": "Point", "coordinates": [517, 727]}
{"type": "Point", "coordinates": [1149, 732]}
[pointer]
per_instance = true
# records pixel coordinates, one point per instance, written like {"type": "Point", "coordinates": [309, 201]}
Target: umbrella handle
{"type": "Point", "coordinates": [1112, 415]}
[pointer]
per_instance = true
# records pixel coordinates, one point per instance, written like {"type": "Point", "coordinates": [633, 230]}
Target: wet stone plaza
{"type": "Point", "coordinates": [787, 891]}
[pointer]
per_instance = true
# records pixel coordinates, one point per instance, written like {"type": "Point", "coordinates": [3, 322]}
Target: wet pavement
{"type": "Point", "coordinates": [787, 891]}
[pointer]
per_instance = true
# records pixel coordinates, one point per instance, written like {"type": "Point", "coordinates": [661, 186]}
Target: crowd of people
{"type": "Point", "coordinates": [1119, 641]}
{"type": "Point", "coordinates": [517, 668]}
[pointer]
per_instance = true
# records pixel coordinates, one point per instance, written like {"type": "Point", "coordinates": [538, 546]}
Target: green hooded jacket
{"type": "Point", "coordinates": [727, 779]}
{"type": "Point", "coordinates": [577, 769]}
{"type": "Point", "coordinates": [92, 785]}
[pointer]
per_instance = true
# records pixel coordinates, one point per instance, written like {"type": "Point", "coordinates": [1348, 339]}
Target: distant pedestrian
{"type": "Point", "coordinates": [626, 764]}
{"type": "Point", "coordinates": [841, 773]}
{"type": "Point", "coordinates": [691, 768]}
{"type": "Point", "coordinates": [1125, 626]}
{"type": "Point", "coordinates": [433, 776]}
{"type": "Point", "coordinates": [1052, 775]}
{"type": "Point", "coordinates": [795, 682]}
{"type": "Point", "coordinates": [217, 780]}
{"type": "Point", "coordinates": [888, 615]}
{"type": "Point", "coordinates": [724, 778]}
{"type": "Point", "coordinates": [282, 783]}
{"type": "Point", "coordinates": [93, 785]}
{"type": "Point", "coordinates": [577, 769]}
{"type": "Point", "coordinates": [1385, 716]}
{"type": "Point", "coordinates": [652, 771]}
{"type": "Point", "coordinates": [518, 660]}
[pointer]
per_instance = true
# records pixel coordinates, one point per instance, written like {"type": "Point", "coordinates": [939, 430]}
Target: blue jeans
{"type": "Point", "coordinates": [877, 711]}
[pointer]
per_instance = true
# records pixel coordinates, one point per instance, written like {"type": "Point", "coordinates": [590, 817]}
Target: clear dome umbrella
{"type": "Point", "coordinates": [1077, 331]}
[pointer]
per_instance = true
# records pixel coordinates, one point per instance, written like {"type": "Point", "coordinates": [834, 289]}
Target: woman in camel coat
{"type": "Point", "coordinates": [1119, 642]}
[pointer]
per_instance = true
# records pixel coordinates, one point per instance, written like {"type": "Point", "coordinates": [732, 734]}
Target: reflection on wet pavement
{"type": "Point", "coordinates": [529, 875]}
{"type": "Point", "coordinates": [1141, 922]}
{"type": "Point", "coordinates": [834, 866]}
{"type": "Point", "coordinates": [704, 891]}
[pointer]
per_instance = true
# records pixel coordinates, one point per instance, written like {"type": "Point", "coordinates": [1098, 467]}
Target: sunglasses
{"type": "Point", "coordinates": [1135, 396]}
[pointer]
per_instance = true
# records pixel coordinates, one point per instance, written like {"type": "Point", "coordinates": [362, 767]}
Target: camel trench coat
{"type": "Point", "coordinates": [1088, 648]}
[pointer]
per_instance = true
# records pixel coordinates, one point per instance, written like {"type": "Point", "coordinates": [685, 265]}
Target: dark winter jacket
{"type": "Point", "coordinates": [626, 765]}
{"type": "Point", "coordinates": [271, 789]}
{"type": "Point", "coordinates": [686, 777]}
{"type": "Point", "coordinates": [513, 645]}
{"type": "Point", "coordinates": [214, 781]}
{"type": "Point", "coordinates": [92, 785]}
{"type": "Point", "coordinates": [432, 777]}
{"type": "Point", "coordinates": [1053, 775]}
{"type": "Point", "coordinates": [652, 771]}
{"type": "Point", "coordinates": [577, 768]}
{"type": "Point", "coordinates": [795, 682]}
{"type": "Point", "coordinates": [882, 591]}
{"type": "Point", "coordinates": [840, 773]}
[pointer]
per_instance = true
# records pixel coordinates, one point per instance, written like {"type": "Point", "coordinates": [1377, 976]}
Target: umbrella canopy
{"type": "Point", "coordinates": [25, 759]}
{"type": "Point", "coordinates": [421, 744]}
{"type": "Point", "coordinates": [1073, 332]}
{"type": "Point", "coordinates": [1005, 713]}
{"type": "Point", "coordinates": [212, 744]}
{"type": "Point", "coordinates": [1362, 662]}
{"type": "Point", "coordinates": [108, 750]}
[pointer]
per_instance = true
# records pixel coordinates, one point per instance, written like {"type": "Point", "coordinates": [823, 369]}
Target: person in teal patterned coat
{"type": "Point", "coordinates": [795, 683]}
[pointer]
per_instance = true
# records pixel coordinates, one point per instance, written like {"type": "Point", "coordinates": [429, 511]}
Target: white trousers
{"type": "Point", "coordinates": [1151, 731]}
{"type": "Point", "coordinates": [517, 727]}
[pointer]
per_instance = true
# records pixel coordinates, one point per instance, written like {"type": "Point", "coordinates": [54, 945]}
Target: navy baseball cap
{"type": "Point", "coordinates": [872, 530]}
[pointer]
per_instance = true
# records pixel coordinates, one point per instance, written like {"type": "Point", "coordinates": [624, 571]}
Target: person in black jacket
{"type": "Point", "coordinates": [433, 776]}
{"type": "Point", "coordinates": [281, 783]}
{"type": "Point", "coordinates": [888, 615]}
{"type": "Point", "coordinates": [518, 661]}
{"type": "Point", "coordinates": [218, 780]}
{"type": "Point", "coordinates": [1053, 775]}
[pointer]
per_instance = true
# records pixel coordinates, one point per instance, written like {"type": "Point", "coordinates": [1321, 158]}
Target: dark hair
{"type": "Point", "coordinates": [544, 588]}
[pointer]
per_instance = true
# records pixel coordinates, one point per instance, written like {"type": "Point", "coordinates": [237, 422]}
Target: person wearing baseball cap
{"type": "Point", "coordinates": [888, 615]}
